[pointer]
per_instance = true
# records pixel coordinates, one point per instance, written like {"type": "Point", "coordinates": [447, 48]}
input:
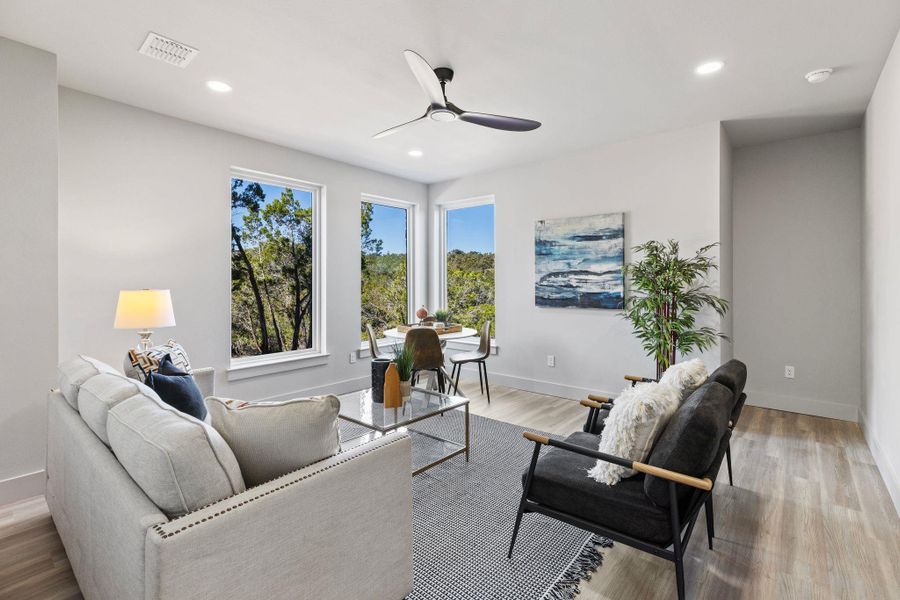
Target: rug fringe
{"type": "Point", "coordinates": [584, 565]}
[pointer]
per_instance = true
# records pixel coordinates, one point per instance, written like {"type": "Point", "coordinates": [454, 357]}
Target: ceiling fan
{"type": "Point", "coordinates": [434, 82]}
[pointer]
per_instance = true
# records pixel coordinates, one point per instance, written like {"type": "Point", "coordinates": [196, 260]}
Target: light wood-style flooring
{"type": "Point", "coordinates": [808, 517]}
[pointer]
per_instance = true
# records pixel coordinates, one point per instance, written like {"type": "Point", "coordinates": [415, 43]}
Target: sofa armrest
{"type": "Point", "coordinates": [339, 528]}
{"type": "Point", "coordinates": [206, 381]}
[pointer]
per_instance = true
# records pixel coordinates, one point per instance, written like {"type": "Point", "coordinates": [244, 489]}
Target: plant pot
{"type": "Point", "coordinates": [405, 389]}
{"type": "Point", "coordinates": [379, 368]}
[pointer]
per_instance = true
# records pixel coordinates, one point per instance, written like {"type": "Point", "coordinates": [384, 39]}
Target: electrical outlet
{"type": "Point", "coordinates": [788, 371]}
{"type": "Point", "coordinates": [352, 357]}
{"type": "Point", "coordinates": [551, 360]}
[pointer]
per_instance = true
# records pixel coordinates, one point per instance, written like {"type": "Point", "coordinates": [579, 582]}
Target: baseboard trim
{"type": "Point", "coordinates": [882, 460]}
{"type": "Point", "coordinates": [22, 486]}
{"type": "Point", "coordinates": [550, 388]}
{"type": "Point", "coordinates": [802, 405]}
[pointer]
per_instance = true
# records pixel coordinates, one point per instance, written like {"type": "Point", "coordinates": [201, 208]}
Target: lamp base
{"type": "Point", "coordinates": [145, 343]}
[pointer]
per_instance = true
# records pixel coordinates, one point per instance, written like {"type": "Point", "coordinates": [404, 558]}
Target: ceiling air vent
{"type": "Point", "coordinates": [166, 50]}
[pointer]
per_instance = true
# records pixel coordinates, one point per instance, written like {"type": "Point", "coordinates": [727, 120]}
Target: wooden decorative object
{"type": "Point", "coordinates": [448, 328]}
{"type": "Point", "coordinates": [392, 397]}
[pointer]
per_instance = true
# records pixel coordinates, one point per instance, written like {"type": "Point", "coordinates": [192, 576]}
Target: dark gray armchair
{"type": "Point", "coordinates": [656, 509]}
{"type": "Point", "coordinates": [732, 374]}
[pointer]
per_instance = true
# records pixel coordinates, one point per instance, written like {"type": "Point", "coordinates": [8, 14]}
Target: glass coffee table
{"type": "Point", "coordinates": [428, 450]}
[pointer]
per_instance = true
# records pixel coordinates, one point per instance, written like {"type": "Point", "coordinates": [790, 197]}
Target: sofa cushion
{"type": "Point", "coordinates": [270, 439]}
{"type": "Point", "coordinates": [177, 389]}
{"type": "Point", "coordinates": [733, 375]}
{"type": "Point", "coordinates": [139, 363]}
{"type": "Point", "coordinates": [686, 376]}
{"type": "Point", "coordinates": [181, 463]}
{"type": "Point", "coordinates": [691, 439]}
{"type": "Point", "coordinates": [559, 482]}
{"type": "Point", "coordinates": [99, 394]}
{"type": "Point", "coordinates": [72, 373]}
{"type": "Point", "coordinates": [638, 417]}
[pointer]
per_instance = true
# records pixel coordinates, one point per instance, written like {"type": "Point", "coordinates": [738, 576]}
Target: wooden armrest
{"type": "Point", "coordinates": [600, 399]}
{"type": "Point", "coordinates": [535, 437]}
{"type": "Point", "coordinates": [703, 484]}
{"type": "Point", "coordinates": [592, 404]}
{"type": "Point", "coordinates": [633, 378]}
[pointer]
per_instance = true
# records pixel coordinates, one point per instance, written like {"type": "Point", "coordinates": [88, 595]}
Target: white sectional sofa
{"type": "Point", "coordinates": [339, 529]}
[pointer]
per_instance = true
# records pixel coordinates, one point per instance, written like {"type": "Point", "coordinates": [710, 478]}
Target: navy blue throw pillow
{"type": "Point", "coordinates": [177, 389]}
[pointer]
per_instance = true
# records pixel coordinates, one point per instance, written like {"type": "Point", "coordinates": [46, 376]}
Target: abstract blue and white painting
{"type": "Point", "coordinates": [578, 261]}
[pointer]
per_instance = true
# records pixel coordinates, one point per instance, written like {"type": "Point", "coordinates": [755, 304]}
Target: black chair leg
{"type": "Point", "coordinates": [515, 534]}
{"type": "Point", "coordinates": [480, 379]}
{"type": "Point", "coordinates": [676, 540]}
{"type": "Point", "coordinates": [710, 521]}
{"type": "Point", "coordinates": [458, 372]}
{"type": "Point", "coordinates": [728, 460]}
{"type": "Point", "coordinates": [486, 384]}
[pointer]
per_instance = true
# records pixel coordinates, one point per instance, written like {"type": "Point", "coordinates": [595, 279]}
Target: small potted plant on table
{"type": "Point", "coordinates": [403, 359]}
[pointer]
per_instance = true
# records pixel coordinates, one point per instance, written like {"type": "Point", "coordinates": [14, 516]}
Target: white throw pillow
{"type": "Point", "coordinates": [686, 376]}
{"type": "Point", "coordinates": [637, 418]}
{"type": "Point", "coordinates": [270, 439]}
{"type": "Point", "coordinates": [181, 463]}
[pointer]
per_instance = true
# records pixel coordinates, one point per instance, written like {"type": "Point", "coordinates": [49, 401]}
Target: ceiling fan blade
{"type": "Point", "coordinates": [397, 128]}
{"type": "Point", "coordinates": [425, 76]}
{"type": "Point", "coordinates": [498, 121]}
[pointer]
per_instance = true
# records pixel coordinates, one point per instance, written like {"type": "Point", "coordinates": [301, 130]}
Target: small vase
{"type": "Point", "coordinates": [405, 390]}
{"type": "Point", "coordinates": [379, 368]}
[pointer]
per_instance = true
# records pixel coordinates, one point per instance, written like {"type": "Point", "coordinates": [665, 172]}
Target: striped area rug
{"type": "Point", "coordinates": [463, 515]}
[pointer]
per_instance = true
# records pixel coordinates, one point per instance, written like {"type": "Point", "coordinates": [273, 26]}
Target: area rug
{"type": "Point", "coordinates": [463, 516]}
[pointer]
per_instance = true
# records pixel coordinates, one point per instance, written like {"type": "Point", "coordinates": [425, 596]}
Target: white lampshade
{"type": "Point", "coordinates": [144, 309]}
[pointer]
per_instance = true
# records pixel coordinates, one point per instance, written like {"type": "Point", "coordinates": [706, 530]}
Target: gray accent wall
{"type": "Point", "coordinates": [28, 275]}
{"type": "Point", "coordinates": [797, 245]}
{"type": "Point", "coordinates": [880, 409]}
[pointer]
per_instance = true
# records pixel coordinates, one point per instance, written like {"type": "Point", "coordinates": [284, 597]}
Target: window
{"type": "Point", "coordinates": [468, 282]}
{"type": "Point", "coordinates": [385, 264]}
{"type": "Point", "coordinates": [275, 270]}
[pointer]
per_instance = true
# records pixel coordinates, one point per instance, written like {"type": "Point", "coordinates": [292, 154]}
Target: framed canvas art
{"type": "Point", "coordinates": [578, 261]}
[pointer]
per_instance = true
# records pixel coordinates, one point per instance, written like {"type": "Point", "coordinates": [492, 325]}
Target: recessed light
{"type": "Point", "coordinates": [415, 153]}
{"type": "Point", "coordinates": [708, 68]}
{"type": "Point", "coordinates": [819, 75]}
{"type": "Point", "coordinates": [218, 86]}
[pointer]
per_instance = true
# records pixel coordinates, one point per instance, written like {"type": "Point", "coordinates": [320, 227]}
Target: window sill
{"type": "Point", "coordinates": [469, 344]}
{"type": "Point", "coordinates": [257, 367]}
{"type": "Point", "coordinates": [464, 344]}
{"type": "Point", "coordinates": [384, 344]}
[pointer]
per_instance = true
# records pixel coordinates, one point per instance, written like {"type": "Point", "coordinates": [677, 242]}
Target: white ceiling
{"type": "Point", "coordinates": [324, 76]}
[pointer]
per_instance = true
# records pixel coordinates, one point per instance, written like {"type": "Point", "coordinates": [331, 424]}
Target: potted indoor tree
{"type": "Point", "coordinates": [403, 359]}
{"type": "Point", "coordinates": [666, 294]}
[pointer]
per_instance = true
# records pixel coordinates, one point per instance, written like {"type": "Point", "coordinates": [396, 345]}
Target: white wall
{"type": "Point", "coordinates": [28, 293]}
{"type": "Point", "coordinates": [145, 202]}
{"type": "Point", "coordinates": [796, 272]}
{"type": "Point", "coordinates": [726, 241]}
{"type": "Point", "coordinates": [667, 185]}
{"type": "Point", "coordinates": [880, 411]}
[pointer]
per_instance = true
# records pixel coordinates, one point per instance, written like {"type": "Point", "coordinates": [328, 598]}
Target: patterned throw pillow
{"type": "Point", "coordinates": [147, 362]}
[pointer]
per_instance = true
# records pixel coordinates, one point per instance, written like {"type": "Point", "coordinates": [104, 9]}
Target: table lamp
{"type": "Point", "coordinates": [144, 310]}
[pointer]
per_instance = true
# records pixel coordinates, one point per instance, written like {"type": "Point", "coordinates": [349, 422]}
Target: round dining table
{"type": "Point", "coordinates": [400, 335]}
